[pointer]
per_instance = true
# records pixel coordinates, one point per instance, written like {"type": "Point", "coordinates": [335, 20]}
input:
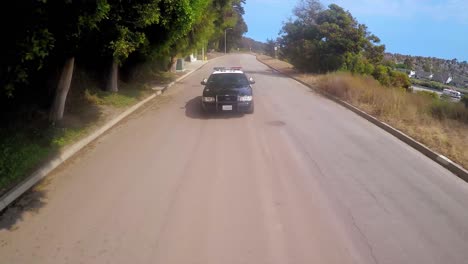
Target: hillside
{"type": "Point", "coordinates": [450, 72]}
{"type": "Point", "coordinates": [252, 45]}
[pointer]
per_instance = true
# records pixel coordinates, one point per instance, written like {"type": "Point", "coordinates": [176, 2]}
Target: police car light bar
{"type": "Point", "coordinates": [227, 68]}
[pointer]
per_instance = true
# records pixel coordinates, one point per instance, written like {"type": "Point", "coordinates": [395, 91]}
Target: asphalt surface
{"type": "Point", "coordinates": [420, 88]}
{"type": "Point", "coordinates": [302, 180]}
{"type": "Point", "coordinates": [438, 92]}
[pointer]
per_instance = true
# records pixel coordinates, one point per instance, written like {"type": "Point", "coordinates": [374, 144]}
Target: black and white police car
{"type": "Point", "coordinates": [228, 90]}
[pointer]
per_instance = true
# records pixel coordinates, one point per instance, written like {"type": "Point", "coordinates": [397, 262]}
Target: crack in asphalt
{"type": "Point", "coordinates": [366, 240]}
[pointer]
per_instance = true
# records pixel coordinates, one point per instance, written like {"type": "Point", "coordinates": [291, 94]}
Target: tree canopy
{"type": "Point", "coordinates": [319, 39]}
{"type": "Point", "coordinates": [44, 30]}
{"type": "Point", "coordinates": [44, 35]}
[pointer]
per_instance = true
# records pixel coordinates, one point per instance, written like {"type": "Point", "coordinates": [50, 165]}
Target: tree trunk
{"type": "Point", "coordinates": [63, 86]}
{"type": "Point", "coordinates": [112, 82]}
{"type": "Point", "coordinates": [172, 64]}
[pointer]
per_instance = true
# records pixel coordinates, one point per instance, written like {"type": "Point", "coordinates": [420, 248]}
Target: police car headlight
{"type": "Point", "coordinates": [245, 98]}
{"type": "Point", "coordinates": [208, 99]}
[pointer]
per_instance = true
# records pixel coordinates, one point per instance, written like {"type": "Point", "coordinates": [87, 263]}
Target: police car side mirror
{"type": "Point", "coordinates": [204, 82]}
{"type": "Point", "coordinates": [251, 80]}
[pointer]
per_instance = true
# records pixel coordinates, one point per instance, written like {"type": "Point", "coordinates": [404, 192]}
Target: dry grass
{"type": "Point", "coordinates": [279, 65]}
{"type": "Point", "coordinates": [440, 125]}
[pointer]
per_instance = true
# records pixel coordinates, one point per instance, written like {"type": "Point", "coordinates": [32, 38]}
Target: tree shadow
{"type": "Point", "coordinates": [30, 202]}
{"type": "Point", "coordinates": [194, 110]}
{"type": "Point", "coordinates": [30, 141]}
{"type": "Point", "coordinates": [81, 115]}
{"type": "Point", "coordinates": [268, 72]}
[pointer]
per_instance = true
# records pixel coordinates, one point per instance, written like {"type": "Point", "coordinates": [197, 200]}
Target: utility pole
{"type": "Point", "coordinates": [225, 40]}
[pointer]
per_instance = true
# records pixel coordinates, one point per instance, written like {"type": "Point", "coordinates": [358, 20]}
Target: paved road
{"type": "Point", "coordinates": [438, 92]}
{"type": "Point", "coordinates": [302, 180]}
{"type": "Point", "coordinates": [420, 88]}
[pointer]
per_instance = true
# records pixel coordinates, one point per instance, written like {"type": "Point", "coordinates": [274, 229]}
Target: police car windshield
{"type": "Point", "coordinates": [228, 81]}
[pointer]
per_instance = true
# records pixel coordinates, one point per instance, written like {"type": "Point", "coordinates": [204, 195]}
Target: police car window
{"type": "Point", "coordinates": [228, 80]}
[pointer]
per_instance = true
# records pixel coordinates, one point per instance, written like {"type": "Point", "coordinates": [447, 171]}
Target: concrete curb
{"type": "Point", "coordinates": [440, 159]}
{"type": "Point", "coordinates": [45, 169]}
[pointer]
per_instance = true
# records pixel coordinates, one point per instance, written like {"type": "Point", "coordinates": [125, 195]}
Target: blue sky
{"type": "Point", "coordinates": [432, 28]}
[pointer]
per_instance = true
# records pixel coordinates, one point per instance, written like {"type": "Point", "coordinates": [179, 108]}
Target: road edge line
{"type": "Point", "coordinates": [453, 167]}
{"type": "Point", "coordinates": [45, 169]}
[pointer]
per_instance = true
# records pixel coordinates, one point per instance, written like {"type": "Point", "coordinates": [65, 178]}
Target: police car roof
{"type": "Point", "coordinates": [218, 70]}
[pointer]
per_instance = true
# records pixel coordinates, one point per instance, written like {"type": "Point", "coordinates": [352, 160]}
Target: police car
{"type": "Point", "coordinates": [228, 90]}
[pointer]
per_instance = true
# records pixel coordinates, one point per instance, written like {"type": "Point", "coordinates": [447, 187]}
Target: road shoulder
{"type": "Point", "coordinates": [286, 69]}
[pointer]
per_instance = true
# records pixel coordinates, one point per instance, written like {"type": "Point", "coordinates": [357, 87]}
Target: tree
{"type": "Point", "coordinates": [68, 22]}
{"type": "Point", "coordinates": [46, 38]}
{"type": "Point", "coordinates": [228, 14]}
{"type": "Point", "coordinates": [408, 62]}
{"type": "Point", "coordinates": [299, 45]}
{"type": "Point", "coordinates": [270, 47]}
{"type": "Point", "coordinates": [123, 32]}
{"type": "Point", "coordinates": [307, 11]}
{"type": "Point", "coordinates": [321, 40]}
{"type": "Point", "coordinates": [253, 45]}
{"type": "Point", "coordinates": [427, 67]}
{"type": "Point", "coordinates": [341, 34]}
{"type": "Point", "coordinates": [28, 46]}
{"type": "Point", "coordinates": [233, 19]}
{"type": "Point", "coordinates": [235, 36]}
{"type": "Point", "coordinates": [331, 39]}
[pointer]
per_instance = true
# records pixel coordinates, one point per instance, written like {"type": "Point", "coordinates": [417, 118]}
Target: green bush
{"type": "Point", "coordinates": [369, 69]}
{"type": "Point", "coordinates": [388, 77]}
{"type": "Point", "coordinates": [401, 66]}
{"type": "Point", "coordinates": [357, 64]}
{"type": "Point", "coordinates": [19, 155]}
{"type": "Point", "coordinates": [443, 109]}
{"type": "Point", "coordinates": [399, 79]}
{"type": "Point", "coordinates": [381, 74]}
{"type": "Point", "coordinates": [21, 151]}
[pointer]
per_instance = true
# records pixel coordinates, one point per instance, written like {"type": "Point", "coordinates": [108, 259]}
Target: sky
{"type": "Point", "coordinates": [430, 28]}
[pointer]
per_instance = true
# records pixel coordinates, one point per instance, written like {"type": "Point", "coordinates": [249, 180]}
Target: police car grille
{"type": "Point", "coordinates": [227, 98]}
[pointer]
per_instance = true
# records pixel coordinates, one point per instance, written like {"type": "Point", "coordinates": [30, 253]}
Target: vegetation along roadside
{"type": "Point", "coordinates": [68, 66]}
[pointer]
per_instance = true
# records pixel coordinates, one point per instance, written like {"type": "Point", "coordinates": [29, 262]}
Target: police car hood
{"type": "Point", "coordinates": [246, 90]}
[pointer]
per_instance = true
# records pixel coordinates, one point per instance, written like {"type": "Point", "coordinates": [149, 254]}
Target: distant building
{"type": "Point", "coordinates": [449, 80]}
{"type": "Point", "coordinates": [443, 77]}
{"type": "Point", "coordinates": [423, 75]}
{"type": "Point", "coordinates": [412, 74]}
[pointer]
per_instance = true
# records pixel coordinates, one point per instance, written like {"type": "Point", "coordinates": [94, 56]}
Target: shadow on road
{"type": "Point", "coordinates": [193, 110]}
{"type": "Point", "coordinates": [268, 72]}
{"type": "Point", "coordinates": [30, 202]}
